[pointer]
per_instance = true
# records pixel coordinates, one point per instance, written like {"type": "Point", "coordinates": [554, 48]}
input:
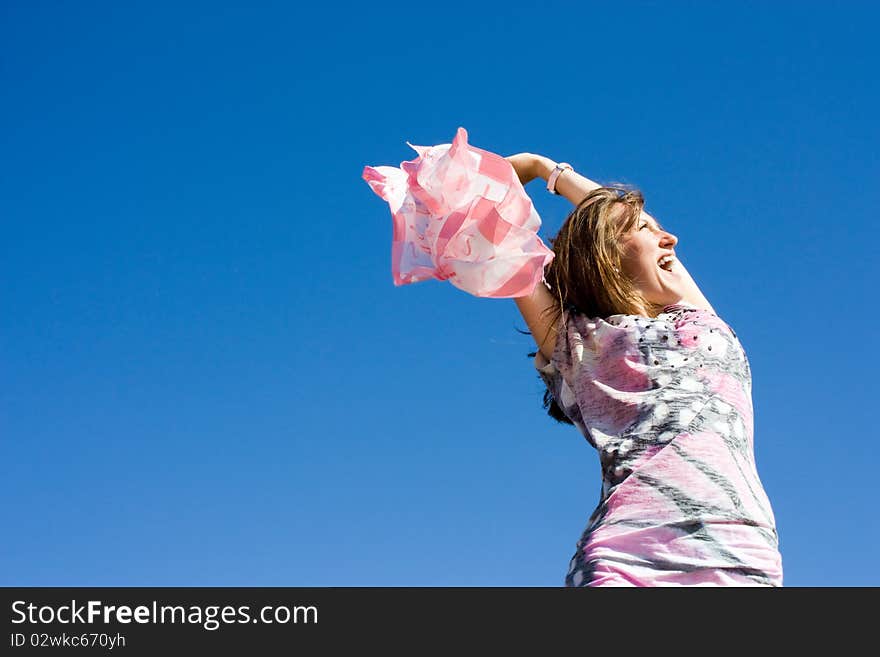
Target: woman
{"type": "Point", "coordinates": [634, 356]}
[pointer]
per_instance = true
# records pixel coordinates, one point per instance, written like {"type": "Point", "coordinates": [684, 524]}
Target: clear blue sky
{"type": "Point", "coordinates": [208, 377]}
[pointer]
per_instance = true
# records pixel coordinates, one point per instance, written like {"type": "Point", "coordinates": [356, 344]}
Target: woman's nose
{"type": "Point", "coordinates": [669, 239]}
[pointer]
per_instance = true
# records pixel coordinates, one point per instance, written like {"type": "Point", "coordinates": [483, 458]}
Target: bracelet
{"type": "Point", "coordinates": [554, 175]}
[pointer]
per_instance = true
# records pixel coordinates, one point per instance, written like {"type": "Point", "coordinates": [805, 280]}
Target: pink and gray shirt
{"type": "Point", "coordinates": [667, 403]}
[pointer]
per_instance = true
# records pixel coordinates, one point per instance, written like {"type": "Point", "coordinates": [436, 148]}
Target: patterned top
{"type": "Point", "coordinates": [667, 403]}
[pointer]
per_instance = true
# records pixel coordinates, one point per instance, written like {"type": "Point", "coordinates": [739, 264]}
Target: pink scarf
{"type": "Point", "coordinates": [460, 213]}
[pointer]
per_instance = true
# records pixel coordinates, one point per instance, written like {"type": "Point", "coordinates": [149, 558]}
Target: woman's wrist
{"type": "Point", "coordinates": [543, 166]}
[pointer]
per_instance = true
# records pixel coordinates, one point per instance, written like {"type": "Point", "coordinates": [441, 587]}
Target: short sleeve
{"type": "Point", "coordinates": [558, 373]}
{"type": "Point", "coordinates": [561, 391]}
{"type": "Point", "coordinates": [598, 372]}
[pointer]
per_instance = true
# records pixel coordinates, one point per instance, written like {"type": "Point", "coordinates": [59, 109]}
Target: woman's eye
{"type": "Point", "coordinates": [643, 226]}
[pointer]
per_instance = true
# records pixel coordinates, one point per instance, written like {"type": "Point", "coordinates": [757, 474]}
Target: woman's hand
{"type": "Point", "coordinates": [525, 165]}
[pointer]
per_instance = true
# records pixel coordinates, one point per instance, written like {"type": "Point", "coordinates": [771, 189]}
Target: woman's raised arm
{"type": "Point", "coordinates": [535, 310]}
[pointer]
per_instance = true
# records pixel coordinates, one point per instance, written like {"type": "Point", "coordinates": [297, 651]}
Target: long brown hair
{"type": "Point", "coordinates": [585, 275]}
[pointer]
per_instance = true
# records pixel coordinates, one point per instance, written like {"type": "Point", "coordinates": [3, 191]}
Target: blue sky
{"type": "Point", "coordinates": [208, 377]}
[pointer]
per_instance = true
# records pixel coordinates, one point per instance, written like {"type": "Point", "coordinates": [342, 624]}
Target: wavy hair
{"type": "Point", "coordinates": [585, 276]}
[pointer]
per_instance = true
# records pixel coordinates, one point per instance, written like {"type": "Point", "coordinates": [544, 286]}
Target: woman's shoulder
{"type": "Point", "coordinates": [683, 311]}
{"type": "Point", "coordinates": [642, 329]}
{"type": "Point", "coordinates": [618, 318]}
{"type": "Point", "coordinates": [680, 304]}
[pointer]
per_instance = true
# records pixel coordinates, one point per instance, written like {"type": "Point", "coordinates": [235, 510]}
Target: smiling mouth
{"type": "Point", "coordinates": [666, 263]}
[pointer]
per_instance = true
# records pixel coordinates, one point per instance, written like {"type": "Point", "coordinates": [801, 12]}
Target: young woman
{"type": "Point", "coordinates": [636, 358]}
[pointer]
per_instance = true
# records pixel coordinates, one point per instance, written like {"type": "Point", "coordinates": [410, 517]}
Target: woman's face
{"type": "Point", "coordinates": [644, 247]}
